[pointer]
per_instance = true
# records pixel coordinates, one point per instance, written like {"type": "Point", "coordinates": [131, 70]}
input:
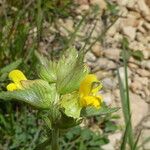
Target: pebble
{"type": "Point", "coordinates": [143, 72]}
{"type": "Point", "coordinates": [141, 80]}
{"type": "Point", "coordinates": [108, 98]}
{"type": "Point", "coordinates": [146, 54]}
{"type": "Point", "coordinates": [101, 3]}
{"type": "Point", "coordinates": [108, 147]}
{"type": "Point", "coordinates": [90, 57]}
{"type": "Point", "coordinates": [136, 86]}
{"type": "Point", "coordinates": [102, 74]}
{"type": "Point", "coordinates": [146, 123]}
{"type": "Point", "coordinates": [143, 7]}
{"type": "Point", "coordinates": [129, 31]}
{"type": "Point", "coordinates": [109, 83]}
{"type": "Point", "coordinates": [97, 49]}
{"type": "Point", "coordinates": [113, 54]}
{"type": "Point", "coordinates": [145, 135]}
{"type": "Point", "coordinates": [104, 63]}
{"type": "Point", "coordinates": [139, 108]}
{"type": "Point", "coordinates": [145, 64]}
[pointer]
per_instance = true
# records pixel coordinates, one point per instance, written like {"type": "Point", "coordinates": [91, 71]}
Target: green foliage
{"type": "Point", "coordinates": [70, 102]}
{"type": "Point", "coordinates": [90, 111]}
{"type": "Point", "coordinates": [37, 93]}
{"type": "Point", "coordinates": [82, 139]}
{"type": "Point", "coordinates": [137, 54]}
{"type": "Point", "coordinates": [67, 73]}
{"type": "Point", "coordinates": [19, 130]}
{"type": "Point", "coordinates": [22, 129]}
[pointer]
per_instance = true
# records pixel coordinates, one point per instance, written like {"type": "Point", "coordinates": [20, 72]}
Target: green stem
{"type": "Point", "coordinates": [55, 139]}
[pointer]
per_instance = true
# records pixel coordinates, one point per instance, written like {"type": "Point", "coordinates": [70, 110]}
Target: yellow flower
{"type": "Point", "coordinates": [88, 91]}
{"type": "Point", "coordinates": [16, 76]}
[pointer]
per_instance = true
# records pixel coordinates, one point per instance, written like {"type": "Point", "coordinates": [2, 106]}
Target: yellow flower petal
{"type": "Point", "coordinates": [11, 87]}
{"type": "Point", "coordinates": [86, 84]}
{"type": "Point", "coordinates": [16, 76]}
{"type": "Point", "coordinates": [91, 101]}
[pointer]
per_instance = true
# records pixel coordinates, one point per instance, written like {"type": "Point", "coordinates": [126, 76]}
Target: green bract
{"type": "Point", "coordinates": [71, 105]}
{"type": "Point", "coordinates": [38, 93]}
{"type": "Point", "coordinates": [67, 73]}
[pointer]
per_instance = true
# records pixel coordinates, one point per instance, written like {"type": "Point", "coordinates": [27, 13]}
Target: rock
{"type": "Point", "coordinates": [133, 66]}
{"type": "Point", "coordinates": [141, 80]}
{"type": "Point", "coordinates": [131, 4]}
{"type": "Point", "coordinates": [148, 3]}
{"type": "Point", "coordinates": [68, 24]}
{"type": "Point", "coordinates": [146, 54]}
{"type": "Point", "coordinates": [146, 123]}
{"type": "Point", "coordinates": [146, 25]}
{"type": "Point", "coordinates": [103, 63]}
{"type": "Point", "coordinates": [135, 45]}
{"type": "Point", "coordinates": [145, 135]}
{"type": "Point", "coordinates": [115, 138]}
{"type": "Point", "coordinates": [143, 72]}
{"type": "Point", "coordinates": [144, 9]}
{"type": "Point", "coordinates": [145, 64]}
{"type": "Point", "coordinates": [82, 8]}
{"type": "Point", "coordinates": [108, 98]}
{"type": "Point", "coordinates": [101, 3]}
{"type": "Point", "coordinates": [114, 29]}
{"type": "Point", "coordinates": [81, 2]}
{"type": "Point", "coordinates": [122, 2]}
{"type": "Point", "coordinates": [102, 74]}
{"type": "Point", "coordinates": [90, 57]}
{"type": "Point", "coordinates": [129, 31]}
{"type": "Point", "coordinates": [113, 54]}
{"type": "Point", "coordinates": [137, 111]}
{"type": "Point", "coordinates": [107, 147]}
{"type": "Point", "coordinates": [136, 86]}
{"type": "Point", "coordinates": [97, 49]}
{"type": "Point", "coordinates": [130, 21]}
{"type": "Point", "coordinates": [117, 37]}
{"type": "Point", "coordinates": [109, 83]}
{"type": "Point", "coordinates": [147, 93]}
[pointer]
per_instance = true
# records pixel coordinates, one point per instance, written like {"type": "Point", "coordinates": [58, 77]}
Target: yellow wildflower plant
{"type": "Point", "coordinates": [16, 76]}
{"type": "Point", "coordinates": [88, 91]}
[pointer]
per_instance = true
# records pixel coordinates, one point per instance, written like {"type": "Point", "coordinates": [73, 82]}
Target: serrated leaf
{"type": "Point", "coordinates": [66, 122]}
{"type": "Point", "coordinates": [47, 69]}
{"type": "Point", "coordinates": [71, 105]}
{"type": "Point", "coordinates": [90, 111]}
{"type": "Point", "coordinates": [37, 93]}
{"type": "Point", "coordinates": [138, 55]}
{"type": "Point", "coordinates": [11, 66]}
{"type": "Point", "coordinates": [71, 72]}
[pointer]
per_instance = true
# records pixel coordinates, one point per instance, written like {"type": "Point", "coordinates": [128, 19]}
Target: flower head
{"type": "Point", "coordinates": [16, 76]}
{"type": "Point", "coordinates": [88, 91]}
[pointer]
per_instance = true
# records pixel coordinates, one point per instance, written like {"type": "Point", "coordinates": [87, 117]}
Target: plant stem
{"type": "Point", "coordinates": [55, 139]}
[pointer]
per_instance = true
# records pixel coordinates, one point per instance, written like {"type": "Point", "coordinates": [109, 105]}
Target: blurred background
{"type": "Point", "coordinates": [100, 27]}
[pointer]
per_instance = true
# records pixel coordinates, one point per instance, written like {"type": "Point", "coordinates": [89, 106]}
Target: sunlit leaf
{"type": "Point", "coordinates": [71, 105]}
{"type": "Point", "coordinates": [37, 93]}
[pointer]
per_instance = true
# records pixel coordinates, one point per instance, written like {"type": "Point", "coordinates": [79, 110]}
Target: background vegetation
{"type": "Point", "coordinates": [23, 28]}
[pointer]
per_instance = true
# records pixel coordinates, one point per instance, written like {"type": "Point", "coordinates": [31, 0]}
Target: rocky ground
{"type": "Point", "coordinates": [135, 24]}
{"type": "Point", "coordinates": [103, 58]}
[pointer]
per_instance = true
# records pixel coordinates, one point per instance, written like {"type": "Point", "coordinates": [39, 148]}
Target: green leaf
{"type": "Point", "coordinates": [37, 93]}
{"type": "Point", "coordinates": [66, 122]}
{"type": "Point", "coordinates": [91, 111]}
{"type": "Point", "coordinates": [138, 55]}
{"type": "Point", "coordinates": [47, 69]}
{"type": "Point", "coordinates": [11, 66]}
{"type": "Point", "coordinates": [71, 72]}
{"type": "Point", "coordinates": [67, 73]}
{"type": "Point", "coordinates": [71, 105]}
